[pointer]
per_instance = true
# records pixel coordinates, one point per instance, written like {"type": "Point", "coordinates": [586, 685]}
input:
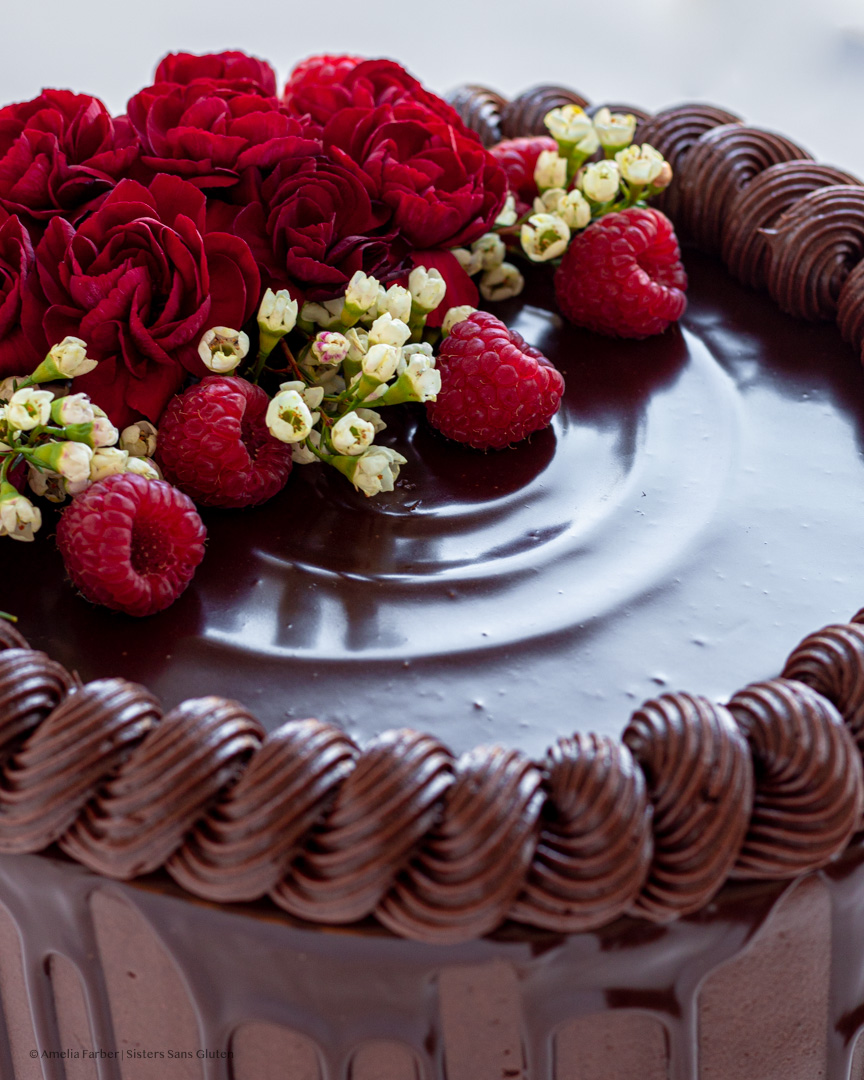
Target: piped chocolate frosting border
{"type": "Point", "coordinates": [442, 848]}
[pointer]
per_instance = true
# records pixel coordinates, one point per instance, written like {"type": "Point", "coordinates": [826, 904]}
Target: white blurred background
{"type": "Point", "coordinates": [794, 65]}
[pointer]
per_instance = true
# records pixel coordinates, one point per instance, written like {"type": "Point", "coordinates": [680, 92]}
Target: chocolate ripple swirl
{"type": "Point", "coordinates": [524, 114]}
{"type": "Point", "coordinates": [831, 661]}
{"type": "Point", "coordinates": [813, 247]}
{"type": "Point", "coordinates": [10, 638]}
{"type": "Point", "coordinates": [743, 246]}
{"type": "Point", "coordinates": [480, 110]}
{"type": "Point", "coordinates": [809, 783]}
{"type": "Point", "coordinates": [470, 866]}
{"type": "Point", "coordinates": [673, 131]}
{"type": "Point", "coordinates": [719, 165]}
{"type": "Point", "coordinates": [596, 842]}
{"type": "Point", "coordinates": [850, 310]}
{"type": "Point", "coordinates": [700, 783]}
{"type": "Point", "coordinates": [31, 687]}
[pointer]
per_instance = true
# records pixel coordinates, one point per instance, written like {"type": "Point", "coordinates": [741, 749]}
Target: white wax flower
{"type": "Point", "coordinates": [568, 124]}
{"type": "Point", "coordinates": [28, 409]}
{"type": "Point", "coordinates": [312, 395]}
{"type": "Point", "coordinates": [358, 344]}
{"type": "Point", "coordinates": [329, 348]}
{"type": "Point", "coordinates": [47, 485]}
{"type": "Point", "coordinates": [600, 181]}
{"type": "Point", "coordinates": [381, 362]}
{"type": "Point", "coordinates": [221, 349]}
{"type": "Point", "coordinates": [508, 215]}
{"type": "Point", "coordinates": [142, 466]}
{"type": "Point", "coordinates": [614, 130]}
{"type": "Point", "coordinates": [502, 283]}
{"type": "Point", "coordinates": [288, 417]}
{"type": "Point", "coordinates": [470, 261]}
{"type": "Point", "coordinates": [427, 287]}
{"type": "Point", "coordinates": [377, 470]}
{"type": "Point", "coordinates": [70, 459]}
{"type": "Point", "coordinates": [664, 178]}
{"type": "Point", "coordinates": [72, 409]}
{"type": "Point", "coordinates": [490, 247]}
{"type": "Point", "coordinates": [19, 518]}
{"type": "Point", "coordinates": [640, 165]}
{"type": "Point", "coordinates": [550, 170]}
{"type": "Point", "coordinates": [423, 377]}
{"type": "Point", "coordinates": [351, 434]}
{"type": "Point", "coordinates": [300, 452]}
{"type": "Point", "coordinates": [277, 316]}
{"type": "Point", "coordinates": [139, 439]}
{"type": "Point", "coordinates": [397, 303]}
{"type": "Point", "coordinates": [104, 432]}
{"type": "Point", "coordinates": [575, 210]}
{"type": "Point", "coordinates": [361, 293]}
{"type": "Point", "coordinates": [106, 461]}
{"type": "Point", "coordinates": [544, 237]}
{"type": "Point", "coordinates": [547, 201]}
{"type": "Point", "coordinates": [456, 315]}
{"type": "Point", "coordinates": [388, 331]}
{"type": "Point", "coordinates": [422, 348]}
{"type": "Point", "coordinates": [373, 418]}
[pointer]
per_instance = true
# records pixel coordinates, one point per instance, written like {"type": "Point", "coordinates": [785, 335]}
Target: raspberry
{"type": "Point", "coordinates": [623, 276]}
{"type": "Point", "coordinates": [517, 157]}
{"type": "Point", "coordinates": [130, 543]}
{"type": "Point", "coordinates": [495, 389]}
{"type": "Point", "coordinates": [214, 444]}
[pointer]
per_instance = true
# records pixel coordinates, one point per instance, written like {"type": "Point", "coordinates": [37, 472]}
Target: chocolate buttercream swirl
{"type": "Point", "coordinates": [596, 842]}
{"type": "Point", "coordinates": [719, 165]}
{"type": "Point", "coordinates": [831, 661]}
{"type": "Point", "coordinates": [743, 245]}
{"type": "Point", "coordinates": [468, 869]}
{"type": "Point", "coordinates": [10, 638]}
{"type": "Point", "coordinates": [673, 131]}
{"type": "Point", "coordinates": [31, 687]}
{"type": "Point", "coordinates": [59, 767]}
{"type": "Point", "coordinates": [809, 783]}
{"type": "Point", "coordinates": [700, 783]}
{"type": "Point", "coordinates": [524, 114]}
{"type": "Point", "coordinates": [850, 311]}
{"type": "Point", "coordinates": [390, 800]}
{"type": "Point", "coordinates": [813, 247]}
{"type": "Point", "coordinates": [480, 109]}
{"type": "Point", "coordinates": [139, 817]}
{"type": "Point", "coordinates": [244, 844]}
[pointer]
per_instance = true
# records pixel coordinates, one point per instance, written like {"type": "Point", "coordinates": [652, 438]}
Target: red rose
{"type": "Point", "coordinates": [21, 343]}
{"type": "Point", "coordinates": [314, 221]}
{"type": "Point", "coordinates": [443, 187]}
{"type": "Point", "coordinates": [230, 68]}
{"type": "Point", "coordinates": [60, 154]}
{"type": "Point", "coordinates": [518, 158]}
{"type": "Point", "coordinates": [210, 134]}
{"type": "Point", "coordinates": [140, 283]}
{"type": "Point", "coordinates": [323, 85]}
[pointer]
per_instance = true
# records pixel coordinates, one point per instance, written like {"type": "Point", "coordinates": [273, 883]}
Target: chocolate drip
{"type": "Point", "coordinates": [524, 114]}
{"type": "Point", "coordinates": [139, 818]}
{"type": "Point", "coordinates": [809, 784]}
{"type": "Point", "coordinates": [700, 783]}
{"type": "Point", "coordinates": [468, 869]}
{"type": "Point", "coordinates": [31, 687]}
{"type": "Point", "coordinates": [744, 247]}
{"type": "Point", "coordinates": [717, 167]}
{"type": "Point", "coordinates": [596, 845]}
{"type": "Point", "coordinates": [383, 809]}
{"type": "Point", "coordinates": [814, 246]}
{"type": "Point", "coordinates": [831, 661]}
{"type": "Point", "coordinates": [243, 846]}
{"type": "Point", "coordinates": [850, 310]}
{"type": "Point", "coordinates": [672, 132]}
{"type": "Point", "coordinates": [480, 109]}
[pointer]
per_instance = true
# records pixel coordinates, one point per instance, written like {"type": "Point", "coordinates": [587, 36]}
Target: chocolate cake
{"type": "Point", "coordinates": [575, 805]}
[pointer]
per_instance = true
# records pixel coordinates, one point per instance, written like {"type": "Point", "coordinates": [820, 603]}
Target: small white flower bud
{"type": "Point", "coordinates": [501, 283]}
{"type": "Point", "coordinates": [568, 124]}
{"type": "Point", "coordinates": [640, 165]}
{"type": "Point", "coordinates": [104, 432]}
{"type": "Point", "coordinates": [72, 409]}
{"type": "Point", "coordinates": [396, 302]}
{"type": "Point", "coordinates": [470, 261]}
{"type": "Point", "coordinates": [28, 409]}
{"type": "Point", "coordinates": [361, 293]}
{"type": "Point", "coordinates": [600, 181]}
{"type": "Point", "coordinates": [221, 349]}
{"type": "Point", "coordinates": [575, 210]}
{"type": "Point", "coordinates": [456, 315]}
{"type": "Point", "coordinates": [300, 452]}
{"type": "Point", "coordinates": [351, 434]}
{"type": "Point", "coordinates": [329, 348]}
{"type": "Point", "coordinates": [508, 215]}
{"type": "Point", "coordinates": [381, 362]}
{"type": "Point", "coordinates": [388, 331]}
{"type": "Point", "coordinates": [143, 467]}
{"type": "Point", "coordinates": [427, 287]}
{"type": "Point", "coordinates": [490, 247]}
{"type": "Point", "coordinates": [70, 459]}
{"type": "Point", "coordinates": [423, 377]}
{"type": "Point", "coordinates": [615, 130]}
{"type": "Point", "coordinates": [550, 170]}
{"type": "Point", "coordinates": [67, 360]}
{"type": "Point", "coordinates": [376, 470]}
{"type": "Point", "coordinates": [416, 348]}
{"type": "Point", "coordinates": [139, 439]}
{"type": "Point", "coordinates": [19, 518]}
{"type": "Point", "coordinates": [277, 316]}
{"type": "Point", "coordinates": [358, 344]}
{"type": "Point", "coordinates": [373, 418]}
{"type": "Point", "coordinates": [664, 178]}
{"type": "Point", "coordinates": [288, 417]}
{"type": "Point", "coordinates": [544, 237]}
{"type": "Point", "coordinates": [106, 461]}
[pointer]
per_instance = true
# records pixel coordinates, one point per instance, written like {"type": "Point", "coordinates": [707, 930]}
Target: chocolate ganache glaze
{"type": "Point", "coordinates": [688, 517]}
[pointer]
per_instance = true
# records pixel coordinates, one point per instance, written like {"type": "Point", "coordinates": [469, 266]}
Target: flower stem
{"type": "Point", "coordinates": [8, 617]}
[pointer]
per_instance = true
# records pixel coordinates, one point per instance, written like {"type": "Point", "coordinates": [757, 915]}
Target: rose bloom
{"type": "Point", "coordinates": [60, 154]}
{"type": "Point", "coordinates": [140, 282]}
{"type": "Point", "coordinates": [235, 69]}
{"type": "Point", "coordinates": [22, 345]}
{"type": "Point", "coordinates": [443, 187]}
{"type": "Point", "coordinates": [314, 222]}
{"type": "Point", "coordinates": [211, 134]}
{"type": "Point", "coordinates": [518, 158]}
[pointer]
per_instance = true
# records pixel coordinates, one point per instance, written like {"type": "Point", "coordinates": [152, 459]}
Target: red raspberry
{"type": "Point", "coordinates": [623, 276]}
{"type": "Point", "coordinates": [518, 157]}
{"type": "Point", "coordinates": [495, 389]}
{"type": "Point", "coordinates": [130, 543]}
{"type": "Point", "coordinates": [214, 444]}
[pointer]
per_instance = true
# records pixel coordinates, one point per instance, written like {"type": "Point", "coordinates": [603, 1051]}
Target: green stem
{"type": "Point", "coordinates": [8, 617]}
